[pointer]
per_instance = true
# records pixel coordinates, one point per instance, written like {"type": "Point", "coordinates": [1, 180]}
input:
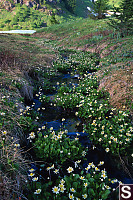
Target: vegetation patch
{"type": "Point", "coordinates": [80, 70]}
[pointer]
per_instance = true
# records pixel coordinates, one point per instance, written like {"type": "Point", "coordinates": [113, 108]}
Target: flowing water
{"type": "Point", "coordinates": [52, 117]}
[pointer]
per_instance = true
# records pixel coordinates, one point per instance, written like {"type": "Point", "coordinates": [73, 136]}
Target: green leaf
{"type": "Point", "coordinates": [82, 172]}
{"type": "Point", "coordinates": [105, 195]}
{"type": "Point", "coordinates": [75, 185]}
{"type": "Point", "coordinates": [91, 179]}
{"type": "Point", "coordinates": [91, 192]}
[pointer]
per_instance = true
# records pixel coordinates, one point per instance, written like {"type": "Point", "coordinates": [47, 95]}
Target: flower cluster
{"type": "Point", "coordinates": [107, 126]}
{"type": "Point", "coordinates": [80, 186]}
{"type": "Point", "coordinates": [57, 146]}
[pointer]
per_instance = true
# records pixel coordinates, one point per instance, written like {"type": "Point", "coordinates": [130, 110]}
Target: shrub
{"type": "Point", "coordinates": [123, 18]}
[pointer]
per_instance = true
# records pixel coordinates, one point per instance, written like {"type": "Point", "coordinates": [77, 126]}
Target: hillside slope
{"type": "Point", "coordinates": [30, 64]}
{"type": "Point", "coordinates": [30, 15]}
{"type": "Point", "coordinates": [94, 36]}
{"type": "Point", "coordinates": [37, 14]}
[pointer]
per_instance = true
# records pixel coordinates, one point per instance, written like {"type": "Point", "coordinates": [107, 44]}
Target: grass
{"type": "Point", "coordinates": [76, 34]}
{"type": "Point", "coordinates": [22, 17]}
{"type": "Point", "coordinates": [114, 2]}
{"type": "Point", "coordinates": [81, 8]}
{"type": "Point", "coordinates": [85, 34]}
{"type": "Point", "coordinates": [28, 57]}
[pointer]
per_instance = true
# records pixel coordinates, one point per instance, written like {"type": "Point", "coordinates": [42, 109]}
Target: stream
{"type": "Point", "coordinates": [52, 117]}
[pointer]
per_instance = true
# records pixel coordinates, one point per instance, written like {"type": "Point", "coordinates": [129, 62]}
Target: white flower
{"type": "Point", "coordinates": [96, 169]}
{"type": "Point", "coordinates": [83, 153]}
{"type": "Point", "coordinates": [31, 135]}
{"type": "Point", "coordinates": [4, 132]}
{"type": "Point", "coordinates": [82, 178]}
{"type": "Point", "coordinates": [62, 181]}
{"type": "Point", "coordinates": [45, 136]}
{"type": "Point", "coordinates": [3, 113]}
{"type": "Point", "coordinates": [56, 171]}
{"type": "Point", "coordinates": [100, 139]}
{"type": "Point", "coordinates": [107, 149]}
{"type": "Point", "coordinates": [127, 139]}
{"type": "Point", "coordinates": [38, 191]}
{"type": "Point", "coordinates": [88, 167]}
{"type": "Point", "coordinates": [62, 189]}
{"type": "Point", "coordinates": [101, 163]}
{"type": "Point", "coordinates": [85, 184]}
{"type": "Point", "coordinates": [51, 128]}
{"type": "Point", "coordinates": [72, 190]}
{"type": "Point", "coordinates": [70, 169]}
{"type": "Point", "coordinates": [76, 113]}
{"type": "Point", "coordinates": [103, 175]}
{"type": "Point", "coordinates": [35, 179]}
{"type": "Point", "coordinates": [55, 190]}
{"type": "Point", "coordinates": [84, 196]}
{"type": "Point", "coordinates": [31, 170]}
{"type": "Point", "coordinates": [31, 174]}
{"type": "Point", "coordinates": [115, 140]}
{"type": "Point", "coordinates": [71, 196]}
{"type": "Point", "coordinates": [43, 127]}
{"type": "Point", "coordinates": [107, 187]}
{"type": "Point", "coordinates": [27, 107]}
{"type": "Point", "coordinates": [17, 145]}
{"type": "Point", "coordinates": [48, 168]}
{"type": "Point", "coordinates": [61, 185]}
{"type": "Point", "coordinates": [112, 137]}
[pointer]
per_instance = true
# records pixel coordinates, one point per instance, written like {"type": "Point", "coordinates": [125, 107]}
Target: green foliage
{"type": "Point", "coordinates": [56, 147]}
{"type": "Point", "coordinates": [77, 61]}
{"type": "Point", "coordinates": [24, 17]}
{"type": "Point", "coordinates": [100, 7]}
{"type": "Point", "coordinates": [93, 106]}
{"type": "Point", "coordinates": [115, 130]}
{"type": "Point", "coordinates": [81, 185]}
{"type": "Point", "coordinates": [53, 19]}
{"type": "Point", "coordinates": [30, 18]}
{"type": "Point", "coordinates": [70, 5]}
{"type": "Point", "coordinates": [106, 127]}
{"type": "Point", "coordinates": [114, 2]}
{"type": "Point", "coordinates": [123, 18]}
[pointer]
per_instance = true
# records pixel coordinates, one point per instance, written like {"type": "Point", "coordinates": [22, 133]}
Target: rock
{"type": "Point", "coordinates": [26, 91]}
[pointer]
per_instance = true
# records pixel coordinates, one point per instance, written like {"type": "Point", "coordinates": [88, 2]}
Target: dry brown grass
{"type": "Point", "coordinates": [119, 85]}
{"type": "Point", "coordinates": [13, 165]}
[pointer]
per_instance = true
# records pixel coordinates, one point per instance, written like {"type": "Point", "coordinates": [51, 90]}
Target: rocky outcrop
{"type": "Point", "coordinates": [26, 92]}
{"type": "Point", "coordinates": [35, 4]}
{"type": "Point", "coordinates": [8, 5]}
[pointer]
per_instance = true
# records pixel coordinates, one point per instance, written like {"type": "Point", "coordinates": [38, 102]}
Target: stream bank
{"type": "Point", "coordinates": [52, 117]}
